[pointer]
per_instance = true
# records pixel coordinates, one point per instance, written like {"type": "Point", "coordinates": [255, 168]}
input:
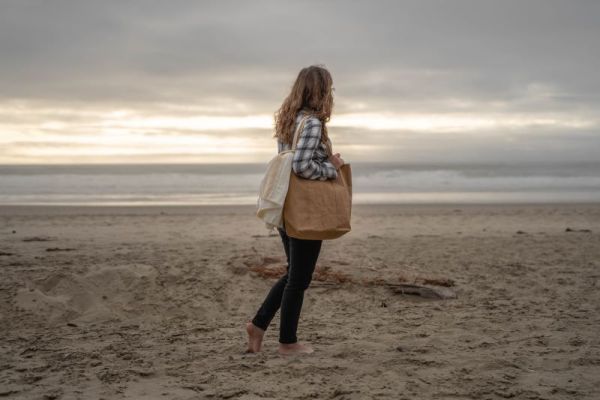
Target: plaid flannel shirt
{"type": "Point", "coordinates": [311, 159]}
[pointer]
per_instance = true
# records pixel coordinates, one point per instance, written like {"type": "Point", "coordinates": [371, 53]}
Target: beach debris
{"type": "Point", "coordinates": [37, 239]}
{"type": "Point", "coordinates": [578, 230]}
{"type": "Point", "coordinates": [340, 392]}
{"type": "Point", "coordinates": [428, 292]}
{"type": "Point", "coordinates": [143, 372]}
{"type": "Point", "coordinates": [4, 253]}
{"type": "Point", "coordinates": [447, 282]}
{"type": "Point", "coordinates": [59, 249]}
{"type": "Point", "coordinates": [521, 232]}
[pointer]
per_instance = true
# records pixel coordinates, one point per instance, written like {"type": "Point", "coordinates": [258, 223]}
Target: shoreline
{"type": "Point", "coordinates": [43, 209]}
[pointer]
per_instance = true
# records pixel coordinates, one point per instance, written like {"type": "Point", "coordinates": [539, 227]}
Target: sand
{"type": "Point", "coordinates": [151, 303]}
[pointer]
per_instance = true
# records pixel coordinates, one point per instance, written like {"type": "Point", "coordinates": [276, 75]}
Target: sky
{"type": "Point", "coordinates": [198, 81]}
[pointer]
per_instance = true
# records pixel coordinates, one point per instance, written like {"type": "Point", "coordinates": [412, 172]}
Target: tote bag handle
{"type": "Point", "coordinates": [298, 130]}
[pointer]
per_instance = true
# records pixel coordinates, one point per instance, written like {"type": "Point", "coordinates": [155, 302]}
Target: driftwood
{"type": "Point", "coordinates": [424, 291]}
{"type": "Point", "coordinates": [326, 277]}
{"type": "Point", "coordinates": [427, 292]}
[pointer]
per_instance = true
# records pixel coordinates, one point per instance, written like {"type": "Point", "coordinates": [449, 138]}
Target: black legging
{"type": "Point", "coordinates": [288, 291]}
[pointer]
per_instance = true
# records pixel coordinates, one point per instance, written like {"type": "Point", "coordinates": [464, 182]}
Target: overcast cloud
{"type": "Point", "coordinates": [78, 78]}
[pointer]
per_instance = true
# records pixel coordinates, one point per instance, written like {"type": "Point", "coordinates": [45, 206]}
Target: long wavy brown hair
{"type": "Point", "coordinates": [313, 92]}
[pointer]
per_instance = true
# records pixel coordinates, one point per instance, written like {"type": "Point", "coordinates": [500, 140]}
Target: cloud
{"type": "Point", "coordinates": [66, 65]}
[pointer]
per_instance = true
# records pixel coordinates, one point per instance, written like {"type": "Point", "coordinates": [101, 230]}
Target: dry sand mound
{"type": "Point", "coordinates": [107, 293]}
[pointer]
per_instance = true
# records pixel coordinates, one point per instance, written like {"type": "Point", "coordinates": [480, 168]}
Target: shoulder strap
{"type": "Point", "coordinates": [298, 130]}
{"type": "Point", "coordinates": [329, 146]}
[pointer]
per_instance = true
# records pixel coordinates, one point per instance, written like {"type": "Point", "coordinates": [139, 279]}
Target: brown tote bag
{"type": "Point", "coordinates": [315, 209]}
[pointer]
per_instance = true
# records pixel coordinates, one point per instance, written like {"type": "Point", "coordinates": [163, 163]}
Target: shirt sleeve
{"type": "Point", "coordinates": [303, 163]}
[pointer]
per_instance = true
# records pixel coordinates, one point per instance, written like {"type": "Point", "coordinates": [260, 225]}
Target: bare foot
{"type": "Point", "coordinates": [294, 348]}
{"type": "Point", "coordinates": [255, 337]}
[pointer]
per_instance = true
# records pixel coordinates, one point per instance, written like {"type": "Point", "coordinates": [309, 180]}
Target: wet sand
{"type": "Point", "coordinates": [151, 302]}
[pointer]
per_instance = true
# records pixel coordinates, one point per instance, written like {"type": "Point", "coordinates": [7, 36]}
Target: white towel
{"type": "Point", "coordinates": [274, 185]}
{"type": "Point", "coordinates": [273, 189]}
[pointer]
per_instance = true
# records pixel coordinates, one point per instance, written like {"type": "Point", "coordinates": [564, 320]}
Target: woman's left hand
{"type": "Point", "coordinates": [336, 160]}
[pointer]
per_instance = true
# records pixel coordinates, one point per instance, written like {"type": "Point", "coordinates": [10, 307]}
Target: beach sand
{"type": "Point", "coordinates": [152, 302]}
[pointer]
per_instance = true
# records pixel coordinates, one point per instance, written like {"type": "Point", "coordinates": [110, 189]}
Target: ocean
{"type": "Point", "coordinates": [200, 184]}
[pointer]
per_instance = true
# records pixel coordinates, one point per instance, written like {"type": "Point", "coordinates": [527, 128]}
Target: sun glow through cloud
{"type": "Point", "coordinates": [58, 134]}
{"type": "Point", "coordinates": [439, 123]}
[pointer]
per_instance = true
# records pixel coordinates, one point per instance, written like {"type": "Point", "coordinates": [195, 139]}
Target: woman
{"type": "Point", "coordinates": [312, 94]}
